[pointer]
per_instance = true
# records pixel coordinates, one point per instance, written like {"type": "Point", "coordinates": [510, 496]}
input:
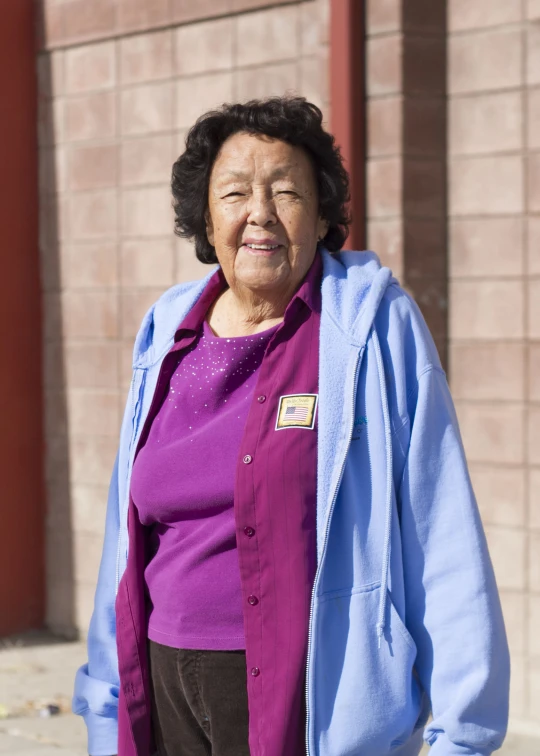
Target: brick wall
{"type": "Point", "coordinates": [494, 313]}
{"type": "Point", "coordinates": [114, 109]}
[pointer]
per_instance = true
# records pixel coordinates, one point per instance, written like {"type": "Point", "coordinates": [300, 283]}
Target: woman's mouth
{"type": "Point", "coordinates": [265, 250]}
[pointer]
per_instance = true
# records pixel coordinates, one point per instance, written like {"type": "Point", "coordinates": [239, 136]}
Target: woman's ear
{"type": "Point", "coordinates": [209, 227]}
{"type": "Point", "coordinates": [322, 228]}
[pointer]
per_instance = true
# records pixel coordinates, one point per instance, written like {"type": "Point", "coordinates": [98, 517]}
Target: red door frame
{"type": "Point", "coordinates": [347, 104]}
{"type": "Point", "coordinates": [22, 511]}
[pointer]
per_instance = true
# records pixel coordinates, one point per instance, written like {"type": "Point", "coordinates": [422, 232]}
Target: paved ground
{"type": "Point", "coordinates": [37, 671]}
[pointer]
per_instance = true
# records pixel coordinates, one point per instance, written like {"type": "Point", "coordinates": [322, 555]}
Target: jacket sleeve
{"type": "Point", "coordinates": [97, 682]}
{"type": "Point", "coordinates": [452, 604]}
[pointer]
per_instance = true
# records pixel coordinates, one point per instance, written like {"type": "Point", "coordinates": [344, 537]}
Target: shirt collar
{"type": "Point", "coordinates": [195, 317]}
{"type": "Point", "coordinates": [310, 288]}
{"type": "Point", "coordinates": [309, 293]}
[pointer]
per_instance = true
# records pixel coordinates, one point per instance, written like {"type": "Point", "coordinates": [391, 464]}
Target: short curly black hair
{"type": "Point", "coordinates": [291, 119]}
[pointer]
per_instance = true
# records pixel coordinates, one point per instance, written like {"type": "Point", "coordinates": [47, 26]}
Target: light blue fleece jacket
{"type": "Point", "coordinates": [405, 613]}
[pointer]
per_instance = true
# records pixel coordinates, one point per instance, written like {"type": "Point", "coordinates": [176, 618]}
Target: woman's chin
{"type": "Point", "coordinates": [263, 283]}
{"type": "Point", "coordinates": [264, 273]}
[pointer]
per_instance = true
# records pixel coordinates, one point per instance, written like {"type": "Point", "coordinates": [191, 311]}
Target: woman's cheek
{"type": "Point", "coordinates": [233, 221]}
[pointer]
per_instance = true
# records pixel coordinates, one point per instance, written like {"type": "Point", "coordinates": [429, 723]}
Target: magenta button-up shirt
{"type": "Point", "coordinates": [275, 507]}
{"type": "Point", "coordinates": [275, 514]}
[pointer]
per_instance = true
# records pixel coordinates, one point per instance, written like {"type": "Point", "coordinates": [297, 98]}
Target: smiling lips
{"type": "Point", "coordinates": [261, 245]}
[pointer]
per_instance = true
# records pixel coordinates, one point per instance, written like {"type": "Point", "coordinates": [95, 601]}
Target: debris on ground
{"type": "Point", "coordinates": [40, 708]}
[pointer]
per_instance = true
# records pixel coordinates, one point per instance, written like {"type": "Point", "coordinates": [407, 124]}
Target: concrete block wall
{"type": "Point", "coordinates": [494, 267]}
{"type": "Point", "coordinates": [406, 149]}
{"type": "Point", "coordinates": [120, 84]}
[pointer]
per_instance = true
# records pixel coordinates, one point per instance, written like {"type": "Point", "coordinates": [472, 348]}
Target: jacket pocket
{"type": "Point", "coordinates": [367, 699]}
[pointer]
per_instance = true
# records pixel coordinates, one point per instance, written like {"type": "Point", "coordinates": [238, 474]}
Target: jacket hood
{"type": "Point", "coordinates": [161, 322]}
{"type": "Point", "coordinates": [353, 286]}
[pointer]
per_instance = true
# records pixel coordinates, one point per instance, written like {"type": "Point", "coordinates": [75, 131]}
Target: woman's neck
{"type": "Point", "coordinates": [243, 313]}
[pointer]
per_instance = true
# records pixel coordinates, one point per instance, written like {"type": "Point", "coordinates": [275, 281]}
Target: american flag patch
{"type": "Point", "coordinates": [296, 411]}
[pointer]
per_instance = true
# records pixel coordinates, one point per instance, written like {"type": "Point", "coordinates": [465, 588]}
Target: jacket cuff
{"type": "Point", "coordinates": [102, 734]}
{"type": "Point", "coordinates": [443, 746]}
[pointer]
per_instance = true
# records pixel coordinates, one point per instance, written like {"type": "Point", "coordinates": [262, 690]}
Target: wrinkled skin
{"type": "Point", "coordinates": [261, 190]}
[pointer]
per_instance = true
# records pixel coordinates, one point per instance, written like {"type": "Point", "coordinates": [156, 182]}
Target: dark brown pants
{"type": "Point", "coordinates": [199, 702]}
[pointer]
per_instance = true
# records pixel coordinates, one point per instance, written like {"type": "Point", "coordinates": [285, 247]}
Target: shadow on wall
{"type": "Point", "coordinates": [425, 201]}
{"type": "Point", "coordinates": [60, 563]}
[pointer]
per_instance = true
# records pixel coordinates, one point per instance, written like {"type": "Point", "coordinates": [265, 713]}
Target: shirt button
{"type": "Point", "coordinates": [253, 600]}
{"type": "Point", "coordinates": [261, 399]}
{"type": "Point", "coordinates": [247, 459]}
{"type": "Point", "coordinates": [255, 671]}
{"type": "Point", "coordinates": [249, 532]}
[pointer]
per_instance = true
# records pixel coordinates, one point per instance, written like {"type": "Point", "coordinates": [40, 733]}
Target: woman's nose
{"type": "Point", "coordinates": [261, 210]}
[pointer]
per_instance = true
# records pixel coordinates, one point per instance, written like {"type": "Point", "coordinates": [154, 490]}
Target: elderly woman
{"type": "Point", "coordinates": [293, 560]}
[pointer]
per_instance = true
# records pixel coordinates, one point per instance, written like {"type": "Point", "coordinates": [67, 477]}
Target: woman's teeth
{"type": "Point", "coordinates": [262, 246]}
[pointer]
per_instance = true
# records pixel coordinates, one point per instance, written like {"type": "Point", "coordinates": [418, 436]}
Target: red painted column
{"type": "Point", "coordinates": [347, 103]}
{"type": "Point", "coordinates": [22, 527]}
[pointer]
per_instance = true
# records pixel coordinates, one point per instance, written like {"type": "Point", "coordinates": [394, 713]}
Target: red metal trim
{"type": "Point", "coordinates": [22, 535]}
{"type": "Point", "coordinates": [347, 103]}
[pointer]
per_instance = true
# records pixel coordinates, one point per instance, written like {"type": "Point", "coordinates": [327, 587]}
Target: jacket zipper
{"type": "Point", "coordinates": [325, 541]}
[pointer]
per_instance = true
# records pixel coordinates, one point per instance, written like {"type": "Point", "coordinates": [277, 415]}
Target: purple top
{"type": "Point", "coordinates": [275, 513]}
{"type": "Point", "coordinates": [183, 487]}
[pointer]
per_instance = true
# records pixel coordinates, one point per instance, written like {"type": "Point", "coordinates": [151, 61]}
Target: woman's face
{"type": "Point", "coordinates": [262, 216]}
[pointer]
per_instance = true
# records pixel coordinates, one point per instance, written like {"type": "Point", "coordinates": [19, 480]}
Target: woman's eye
{"type": "Point", "coordinates": [234, 194]}
{"type": "Point", "coordinates": [287, 191]}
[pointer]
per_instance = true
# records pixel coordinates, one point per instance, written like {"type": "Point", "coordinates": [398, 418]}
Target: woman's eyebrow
{"type": "Point", "coordinates": [279, 172]}
{"type": "Point", "coordinates": [233, 174]}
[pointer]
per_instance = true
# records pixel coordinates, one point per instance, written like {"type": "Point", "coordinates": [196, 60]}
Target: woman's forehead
{"type": "Point", "coordinates": [243, 155]}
